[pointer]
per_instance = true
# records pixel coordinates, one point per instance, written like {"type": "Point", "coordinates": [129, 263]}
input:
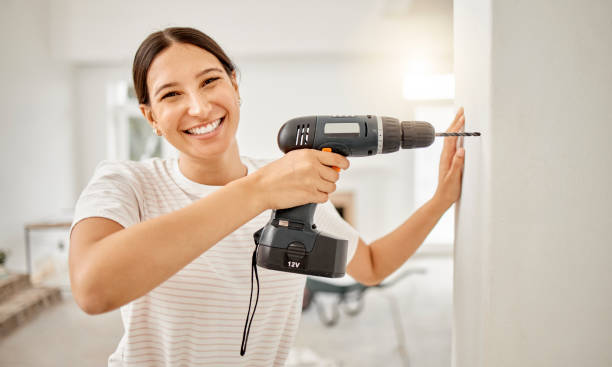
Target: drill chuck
{"type": "Point", "coordinates": [417, 134]}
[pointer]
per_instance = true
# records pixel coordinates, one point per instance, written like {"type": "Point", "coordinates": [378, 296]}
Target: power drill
{"type": "Point", "coordinates": [290, 241]}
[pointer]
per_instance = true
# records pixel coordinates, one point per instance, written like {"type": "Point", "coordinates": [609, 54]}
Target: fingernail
{"type": "Point", "coordinates": [460, 152]}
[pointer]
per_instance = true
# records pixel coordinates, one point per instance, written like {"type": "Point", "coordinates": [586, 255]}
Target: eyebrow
{"type": "Point", "coordinates": [172, 84]}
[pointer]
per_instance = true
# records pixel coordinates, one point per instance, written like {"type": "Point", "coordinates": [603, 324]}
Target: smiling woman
{"type": "Point", "coordinates": [170, 241]}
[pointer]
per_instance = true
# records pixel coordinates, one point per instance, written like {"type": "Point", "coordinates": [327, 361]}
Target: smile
{"type": "Point", "coordinates": [205, 129]}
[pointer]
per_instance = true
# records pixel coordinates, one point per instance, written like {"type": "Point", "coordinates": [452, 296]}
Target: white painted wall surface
{"type": "Point", "coordinates": [108, 31]}
{"type": "Point", "coordinates": [533, 285]}
{"type": "Point", "coordinates": [472, 22]}
{"type": "Point", "coordinates": [36, 151]}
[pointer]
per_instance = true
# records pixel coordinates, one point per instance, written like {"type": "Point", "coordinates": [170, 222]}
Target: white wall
{"type": "Point", "coordinates": [532, 279]}
{"type": "Point", "coordinates": [473, 85]}
{"type": "Point", "coordinates": [109, 31]}
{"type": "Point", "coordinates": [36, 144]}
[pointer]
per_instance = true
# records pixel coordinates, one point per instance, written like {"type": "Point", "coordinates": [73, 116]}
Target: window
{"type": "Point", "coordinates": [129, 134]}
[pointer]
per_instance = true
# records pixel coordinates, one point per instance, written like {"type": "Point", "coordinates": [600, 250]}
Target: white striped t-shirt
{"type": "Point", "coordinates": [197, 316]}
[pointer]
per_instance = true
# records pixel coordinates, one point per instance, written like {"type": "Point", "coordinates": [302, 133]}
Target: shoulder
{"type": "Point", "coordinates": [117, 191]}
{"type": "Point", "coordinates": [131, 175]}
{"type": "Point", "coordinates": [131, 170]}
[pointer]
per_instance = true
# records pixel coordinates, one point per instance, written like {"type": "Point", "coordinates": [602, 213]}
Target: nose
{"type": "Point", "coordinates": [199, 106]}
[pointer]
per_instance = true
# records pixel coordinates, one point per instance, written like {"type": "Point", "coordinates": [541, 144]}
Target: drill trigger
{"type": "Point", "coordinates": [329, 150]}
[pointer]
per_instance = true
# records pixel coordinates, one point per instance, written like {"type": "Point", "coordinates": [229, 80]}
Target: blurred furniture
{"type": "Point", "coordinates": [54, 247]}
{"type": "Point", "coordinates": [349, 297]}
{"type": "Point", "coordinates": [344, 202]}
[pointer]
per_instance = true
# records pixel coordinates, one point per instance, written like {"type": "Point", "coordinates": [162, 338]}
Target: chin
{"type": "Point", "coordinates": [216, 149]}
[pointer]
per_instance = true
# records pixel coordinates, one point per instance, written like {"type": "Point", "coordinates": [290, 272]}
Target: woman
{"type": "Point", "coordinates": [170, 240]}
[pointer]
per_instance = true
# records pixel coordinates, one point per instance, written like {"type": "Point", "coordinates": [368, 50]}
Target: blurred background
{"type": "Point", "coordinates": [68, 103]}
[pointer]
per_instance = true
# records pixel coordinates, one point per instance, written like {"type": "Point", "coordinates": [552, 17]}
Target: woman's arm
{"type": "Point", "coordinates": [372, 264]}
{"type": "Point", "coordinates": [111, 266]}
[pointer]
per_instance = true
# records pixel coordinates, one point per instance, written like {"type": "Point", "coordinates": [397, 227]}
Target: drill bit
{"type": "Point", "coordinates": [457, 134]}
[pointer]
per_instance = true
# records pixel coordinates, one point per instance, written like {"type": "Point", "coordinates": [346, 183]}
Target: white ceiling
{"type": "Point", "coordinates": [111, 30]}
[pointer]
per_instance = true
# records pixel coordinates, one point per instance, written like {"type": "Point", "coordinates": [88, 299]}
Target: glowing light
{"type": "Point", "coordinates": [421, 87]}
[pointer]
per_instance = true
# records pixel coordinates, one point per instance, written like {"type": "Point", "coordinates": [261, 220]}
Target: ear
{"type": "Point", "coordinates": [236, 89]}
{"type": "Point", "coordinates": [235, 82]}
{"type": "Point", "coordinates": [147, 112]}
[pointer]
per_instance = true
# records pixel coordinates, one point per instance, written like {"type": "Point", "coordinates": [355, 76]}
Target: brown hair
{"type": "Point", "coordinates": [159, 41]}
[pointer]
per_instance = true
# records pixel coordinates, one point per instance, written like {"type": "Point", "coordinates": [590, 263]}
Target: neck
{"type": "Point", "coordinates": [215, 171]}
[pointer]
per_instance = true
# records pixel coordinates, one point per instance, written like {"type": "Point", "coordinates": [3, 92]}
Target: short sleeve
{"type": "Point", "coordinates": [113, 192]}
{"type": "Point", "coordinates": [329, 220]}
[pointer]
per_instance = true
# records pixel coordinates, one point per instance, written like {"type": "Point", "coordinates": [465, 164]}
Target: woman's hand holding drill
{"type": "Point", "coordinates": [300, 177]}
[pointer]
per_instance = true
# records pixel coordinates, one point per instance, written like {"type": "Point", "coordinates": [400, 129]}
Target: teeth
{"type": "Point", "coordinates": [205, 129]}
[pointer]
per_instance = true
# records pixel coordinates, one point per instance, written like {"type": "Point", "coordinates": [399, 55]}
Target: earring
{"type": "Point", "coordinates": [239, 101]}
{"type": "Point", "coordinates": [157, 132]}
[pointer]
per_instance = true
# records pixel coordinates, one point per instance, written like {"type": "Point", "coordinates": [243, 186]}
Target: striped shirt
{"type": "Point", "coordinates": [197, 316]}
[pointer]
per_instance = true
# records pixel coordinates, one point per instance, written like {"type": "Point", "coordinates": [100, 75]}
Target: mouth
{"type": "Point", "coordinates": [205, 129]}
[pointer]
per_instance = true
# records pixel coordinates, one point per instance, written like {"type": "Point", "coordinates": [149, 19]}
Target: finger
{"type": "Point", "coordinates": [449, 149]}
{"type": "Point", "coordinates": [326, 186]}
{"type": "Point", "coordinates": [457, 166]}
{"type": "Point", "coordinates": [329, 174]}
{"type": "Point", "coordinates": [321, 197]}
{"type": "Point", "coordinates": [456, 124]}
{"type": "Point", "coordinates": [333, 159]}
{"type": "Point", "coordinates": [459, 125]}
{"type": "Point", "coordinates": [456, 120]}
{"type": "Point", "coordinates": [460, 112]}
{"type": "Point", "coordinates": [452, 140]}
{"type": "Point", "coordinates": [450, 143]}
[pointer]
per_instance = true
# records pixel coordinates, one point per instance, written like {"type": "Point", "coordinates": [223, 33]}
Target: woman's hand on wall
{"type": "Point", "coordinates": [451, 165]}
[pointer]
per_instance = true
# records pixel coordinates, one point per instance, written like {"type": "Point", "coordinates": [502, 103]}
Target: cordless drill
{"type": "Point", "coordinates": [290, 241]}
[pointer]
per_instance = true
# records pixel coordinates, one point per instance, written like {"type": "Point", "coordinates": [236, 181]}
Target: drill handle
{"type": "Point", "coordinates": [299, 217]}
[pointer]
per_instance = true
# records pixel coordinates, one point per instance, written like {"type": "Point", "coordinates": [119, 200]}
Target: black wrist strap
{"type": "Point", "coordinates": [247, 323]}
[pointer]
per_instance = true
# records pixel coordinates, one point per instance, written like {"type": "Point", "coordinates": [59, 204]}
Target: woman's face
{"type": "Point", "coordinates": [193, 102]}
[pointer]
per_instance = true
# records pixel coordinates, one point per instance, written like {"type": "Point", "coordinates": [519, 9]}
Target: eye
{"type": "Point", "coordinates": [169, 94]}
{"type": "Point", "coordinates": [209, 80]}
